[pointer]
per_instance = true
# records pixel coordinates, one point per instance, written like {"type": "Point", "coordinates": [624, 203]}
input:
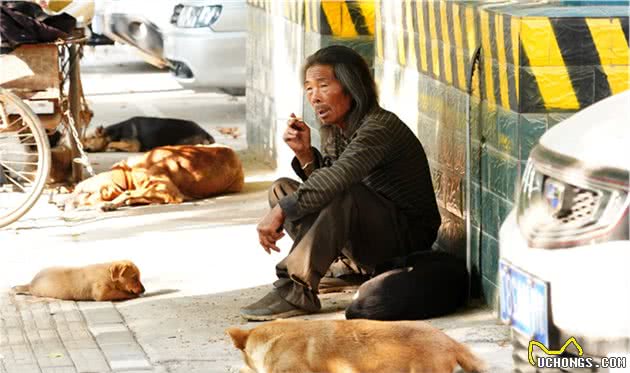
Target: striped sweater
{"type": "Point", "coordinates": [379, 151]}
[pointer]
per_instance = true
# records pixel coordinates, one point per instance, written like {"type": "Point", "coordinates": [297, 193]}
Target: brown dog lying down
{"type": "Point", "coordinates": [358, 346]}
{"type": "Point", "coordinates": [118, 280]}
{"type": "Point", "coordinates": [167, 174]}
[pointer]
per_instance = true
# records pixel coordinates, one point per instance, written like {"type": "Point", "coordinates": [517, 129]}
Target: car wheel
{"type": "Point", "coordinates": [234, 91]}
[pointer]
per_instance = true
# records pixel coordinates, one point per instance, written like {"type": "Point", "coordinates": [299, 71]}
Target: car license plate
{"type": "Point", "coordinates": [524, 302]}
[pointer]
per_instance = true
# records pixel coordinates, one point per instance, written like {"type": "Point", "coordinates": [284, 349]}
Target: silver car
{"type": "Point", "coordinates": [206, 44]}
{"type": "Point", "coordinates": [565, 247]}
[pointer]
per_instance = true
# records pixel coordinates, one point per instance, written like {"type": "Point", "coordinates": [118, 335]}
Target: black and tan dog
{"type": "Point", "coordinates": [140, 134]}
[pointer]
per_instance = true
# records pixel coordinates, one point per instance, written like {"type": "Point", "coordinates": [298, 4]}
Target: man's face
{"type": "Point", "coordinates": [326, 95]}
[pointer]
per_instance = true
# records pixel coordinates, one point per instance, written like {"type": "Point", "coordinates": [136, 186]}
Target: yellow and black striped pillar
{"type": "Point", "coordinates": [568, 64]}
{"type": "Point", "coordinates": [531, 63]}
{"type": "Point", "coordinates": [341, 19]}
{"type": "Point", "coordinates": [435, 37]}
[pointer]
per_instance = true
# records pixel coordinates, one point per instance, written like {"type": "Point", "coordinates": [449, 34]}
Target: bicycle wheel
{"type": "Point", "coordinates": [24, 158]}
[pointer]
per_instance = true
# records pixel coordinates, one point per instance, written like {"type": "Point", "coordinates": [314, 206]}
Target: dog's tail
{"type": "Point", "coordinates": [22, 289]}
{"type": "Point", "coordinates": [469, 361]}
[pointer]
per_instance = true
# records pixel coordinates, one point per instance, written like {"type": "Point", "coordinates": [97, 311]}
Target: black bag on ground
{"type": "Point", "coordinates": [436, 284]}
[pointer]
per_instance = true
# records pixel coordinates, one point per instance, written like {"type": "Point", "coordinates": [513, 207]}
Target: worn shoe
{"type": "Point", "coordinates": [343, 275]}
{"type": "Point", "coordinates": [343, 266]}
{"type": "Point", "coordinates": [271, 307]}
{"type": "Point", "coordinates": [343, 283]}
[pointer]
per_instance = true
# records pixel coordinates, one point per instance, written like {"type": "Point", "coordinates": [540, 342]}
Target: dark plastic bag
{"type": "Point", "coordinates": [436, 285]}
{"type": "Point", "coordinates": [24, 22]}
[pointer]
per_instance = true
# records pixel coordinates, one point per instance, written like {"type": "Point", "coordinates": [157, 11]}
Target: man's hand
{"type": "Point", "coordinates": [298, 136]}
{"type": "Point", "coordinates": [270, 229]}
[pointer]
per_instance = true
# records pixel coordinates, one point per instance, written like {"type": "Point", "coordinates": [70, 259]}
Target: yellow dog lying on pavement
{"type": "Point", "coordinates": [356, 346]}
{"type": "Point", "coordinates": [119, 280]}
{"type": "Point", "coordinates": [167, 174]}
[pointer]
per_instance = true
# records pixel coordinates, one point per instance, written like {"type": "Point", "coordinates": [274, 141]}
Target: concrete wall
{"type": "Point", "coordinates": [538, 64]}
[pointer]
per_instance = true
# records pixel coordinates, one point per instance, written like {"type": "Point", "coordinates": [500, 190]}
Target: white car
{"type": "Point", "coordinates": [564, 250]}
{"type": "Point", "coordinates": [206, 44]}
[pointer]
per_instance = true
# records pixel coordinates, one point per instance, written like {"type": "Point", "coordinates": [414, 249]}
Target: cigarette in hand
{"type": "Point", "coordinates": [299, 119]}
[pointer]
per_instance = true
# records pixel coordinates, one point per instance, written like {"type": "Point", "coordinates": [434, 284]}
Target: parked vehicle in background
{"type": "Point", "coordinates": [565, 248]}
{"type": "Point", "coordinates": [206, 44]}
{"type": "Point", "coordinates": [97, 28]}
{"type": "Point", "coordinates": [140, 23]}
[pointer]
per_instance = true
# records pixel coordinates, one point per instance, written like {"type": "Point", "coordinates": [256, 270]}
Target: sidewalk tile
{"type": "Point", "coordinates": [105, 315]}
{"type": "Point", "coordinates": [69, 369]}
{"type": "Point", "coordinates": [126, 364]}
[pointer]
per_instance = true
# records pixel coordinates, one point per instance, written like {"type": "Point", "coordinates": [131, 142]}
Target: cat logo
{"type": "Point", "coordinates": [530, 349]}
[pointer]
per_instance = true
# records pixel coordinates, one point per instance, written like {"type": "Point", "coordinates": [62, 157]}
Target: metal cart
{"type": "Point", "coordinates": [40, 92]}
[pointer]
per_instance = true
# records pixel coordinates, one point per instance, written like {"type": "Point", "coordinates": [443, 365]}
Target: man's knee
{"type": "Point", "coordinates": [340, 203]}
{"type": "Point", "coordinates": [280, 189]}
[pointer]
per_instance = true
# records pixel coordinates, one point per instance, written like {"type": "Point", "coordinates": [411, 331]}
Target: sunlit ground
{"type": "Point", "coordinates": [200, 261]}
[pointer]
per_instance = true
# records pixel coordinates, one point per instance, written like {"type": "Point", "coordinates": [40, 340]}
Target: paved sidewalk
{"type": "Point", "coordinates": [200, 261]}
{"type": "Point", "coordinates": [85, 337]}
{"type": "Point", "coordinates": [66, 337]}
{"type": "Point", "coordinates": [89, 337]}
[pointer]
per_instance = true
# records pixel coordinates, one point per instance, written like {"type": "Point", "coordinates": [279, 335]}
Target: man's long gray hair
{"type": "Point", "coordinates": [354, 75]}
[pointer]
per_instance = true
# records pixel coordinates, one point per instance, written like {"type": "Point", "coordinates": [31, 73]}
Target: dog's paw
{"type": "Point", "coordinates": [108, 206]}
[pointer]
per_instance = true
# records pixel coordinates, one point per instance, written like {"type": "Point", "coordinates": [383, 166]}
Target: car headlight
{"type": "Point", "coordinates": [188, 16]}
{"type": "Point", "coordinates": [561, 204]}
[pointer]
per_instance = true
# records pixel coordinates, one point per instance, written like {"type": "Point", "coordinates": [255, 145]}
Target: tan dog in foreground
{"type": "Point", "coordinates": [167, 174]}
{"type": "Point", "coordinates": [118, 280]}
{"type": "Point", "coordinates": [351, 346]}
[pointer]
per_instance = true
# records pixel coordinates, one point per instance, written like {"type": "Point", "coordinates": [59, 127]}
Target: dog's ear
{"type": "Point", "coordinates": [117, 270]}
{"type": "Point", "coordinates": [100, 130]}
{"type": "Point", "coordinates": [239, 337]}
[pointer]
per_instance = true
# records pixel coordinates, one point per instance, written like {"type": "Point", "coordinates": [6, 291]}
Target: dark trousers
{"type": "Point", "coordinates": [360, 224]}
